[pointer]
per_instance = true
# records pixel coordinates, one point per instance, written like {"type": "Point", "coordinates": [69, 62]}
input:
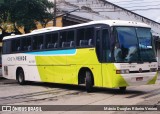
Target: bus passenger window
{"type": "Point", "coordinates": [63, 39]}
{"type": "Point", "coordinates": [80, 36]}
{"type": "Point", "coordinates": [48, 38]}
{"type": "Point", "coordinates": [89, 35]}
{"type": "Point", "coordinates": [70, 38]}
{"type": "Point", "coordinates": [6, 47]}
{"type": "Point", "coordinates": [83, 43]}
{"type": "Point", "coordinates": [37, 42]}
{"type": "Point", "coordinates": [106, 46]}
{"type": "Point", "coordinates": [85, 37]}
{"type": "Point", "coordinates": [98, 44]}
{"type": "Point", "coordinates": [16, 46]}
{"type": "Point", "coordinates": [51, 40]}
{"type": "Point", "coordinates": [26, 44]}
{"type": "Point", "coordinates": [67, 39]}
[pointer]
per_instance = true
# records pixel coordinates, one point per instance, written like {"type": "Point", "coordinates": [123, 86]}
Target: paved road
{"type": "Point", "coordinates": [12, 93]}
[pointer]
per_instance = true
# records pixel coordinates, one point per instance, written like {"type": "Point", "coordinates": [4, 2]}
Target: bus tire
{"type": "Point", "coordinates": [88, 81]}
{"type": "Point", "coordinates": [20, 77]}
{"type": "Point", "coordinates": [122, 89]}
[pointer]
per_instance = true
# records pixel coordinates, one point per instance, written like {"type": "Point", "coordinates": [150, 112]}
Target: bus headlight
{"type": "Point", "coordinates": [153, 69]}
{"type": "Point", "coordinates": [123, 71]}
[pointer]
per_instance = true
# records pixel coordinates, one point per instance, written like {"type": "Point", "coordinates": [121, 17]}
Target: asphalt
{"type": "Point", "coordinates": [6, 81]}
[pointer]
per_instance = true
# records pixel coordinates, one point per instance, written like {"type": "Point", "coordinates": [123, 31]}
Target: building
{"type": "Point", "coordinates": [102, 10]}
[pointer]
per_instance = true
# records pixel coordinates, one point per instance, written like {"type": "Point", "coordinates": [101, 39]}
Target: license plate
{"type": "Point", "coordinates": [139, 78]}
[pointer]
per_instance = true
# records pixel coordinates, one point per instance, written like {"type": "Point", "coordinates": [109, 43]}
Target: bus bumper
{"type": "Point", "coordinates": [135, 79]}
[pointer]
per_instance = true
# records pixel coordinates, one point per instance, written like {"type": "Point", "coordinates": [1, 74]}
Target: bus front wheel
{"type": "Point", "coordinates": [88, 81]}
{"type": "Point", "coordinates": [20, 77]}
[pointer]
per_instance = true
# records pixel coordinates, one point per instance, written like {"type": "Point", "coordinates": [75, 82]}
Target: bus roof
{"type": "Point", "coordinates": [108, 22]}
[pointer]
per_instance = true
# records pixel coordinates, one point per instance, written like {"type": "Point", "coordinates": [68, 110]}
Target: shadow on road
{"type": "Point", "coordinates": [114, 91]}
{"type": "Point", "coordinates": [83, 89]}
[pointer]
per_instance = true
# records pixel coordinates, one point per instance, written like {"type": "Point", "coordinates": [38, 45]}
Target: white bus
{"type": "Point", "coordinates": [109, 53]}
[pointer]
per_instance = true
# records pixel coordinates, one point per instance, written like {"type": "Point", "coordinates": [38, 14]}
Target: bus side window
{"type": "Point", "coordinates": [63, 39]}
{"type": "Point", "coordinates": [98, 46]}
{"type": "Point", "coordinates": [40, 41]}
{"type": "Point", "coordinates": [51, 40]}
{"type": "Point", "coordinates": [48, 42]}
{"type": "Point", "coordinates": [67, 39]}
{"type": "Point", "coordinates": [55, 40]}
{"type": "Point", "coordinates": [85, 37]}
{"type": "Point", "coordinates": [23, 43]}
{"type": "Point", "coordinates": [80, 37]}
{"type": "Point", "coordinates": [70, 38]}
{"type": "Point", "coordinates": [16, 47]}
{"type": "Point", "coordinates": [26, 44]}
{"type": "Point", "coordinates": [106, 46]}
{"type": "Point", "coordinates": [89, 36]}
{"type": "Point", "coordinates": [7, 47]}
{"type": "Point", "coordinates": [37, 42]}
{"type": "Point", "coordinates": [4, 47]}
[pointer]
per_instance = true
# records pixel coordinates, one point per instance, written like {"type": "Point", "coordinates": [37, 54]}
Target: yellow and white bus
{"type": "Point", "coordinates": [108, 53]}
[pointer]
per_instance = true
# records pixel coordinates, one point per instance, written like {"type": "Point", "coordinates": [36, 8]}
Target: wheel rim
{"type": "Point", "coordinates": [20, 77]}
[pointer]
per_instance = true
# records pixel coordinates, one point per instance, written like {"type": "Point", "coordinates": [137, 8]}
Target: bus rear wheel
{"type": "Point", "coordinates": [88, 81]}
{"type": "Point", "coordinates": [20, 77]}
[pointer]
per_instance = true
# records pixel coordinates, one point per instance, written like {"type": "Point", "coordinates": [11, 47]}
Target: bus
{"type": "Point", "coordinates": [106, 53]}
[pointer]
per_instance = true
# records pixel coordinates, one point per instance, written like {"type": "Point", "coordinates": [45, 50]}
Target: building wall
{"type": "Point", "coordinates": [59, 23]}
{"type": "Point", "coordinates": [102, 9]}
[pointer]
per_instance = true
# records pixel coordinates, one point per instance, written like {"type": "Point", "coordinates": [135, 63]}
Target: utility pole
{"type": "Point", "coordinates": [54, 15]}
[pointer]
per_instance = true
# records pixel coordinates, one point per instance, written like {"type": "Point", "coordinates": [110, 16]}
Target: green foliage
{"type": "Point", "coordinates": [1, 1]}
{"type": "Point", "coordinates": [26, 13]}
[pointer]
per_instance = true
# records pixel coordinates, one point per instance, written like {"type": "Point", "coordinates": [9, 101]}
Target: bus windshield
{"type": "Point", "coordinates": [133, 44]}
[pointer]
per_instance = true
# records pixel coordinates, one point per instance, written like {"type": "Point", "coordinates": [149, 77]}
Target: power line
{"type": "Point", "coordinates": [145, 9]}
{"type": "Point", "coordinates": [128, 1]}
{"type": "Point", "coordinates": [111, 8]}
{"type": "Point", "coordinates": [101, 8]}
{"type": "Point", "coordinates": [143, 6]}
{"type": "Point", "coordinates": [152, 8]}
{"type": "Point", "coordinates": [132, 10]}
{"type": "Point", "coordinates": [138, 3]}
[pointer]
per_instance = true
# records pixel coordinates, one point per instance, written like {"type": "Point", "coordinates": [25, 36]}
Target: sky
{"type": "Point", "coordinates": [146, 8]}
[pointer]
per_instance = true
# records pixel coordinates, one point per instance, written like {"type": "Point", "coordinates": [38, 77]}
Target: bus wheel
{"type": "Point", "coordinates": [20, 77]}
{"type": "Point", "coordinates": [122, 89]}
{"type": "Point", "coordinates": [88, 81]}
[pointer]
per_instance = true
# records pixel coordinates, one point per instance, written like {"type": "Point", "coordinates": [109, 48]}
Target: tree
{"type": "Point", "coordinates": [25, 13]}
{"type": "Point", "coordinates": [4, 19]}
{"type": "Point", "coordinates": [47, 15]}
